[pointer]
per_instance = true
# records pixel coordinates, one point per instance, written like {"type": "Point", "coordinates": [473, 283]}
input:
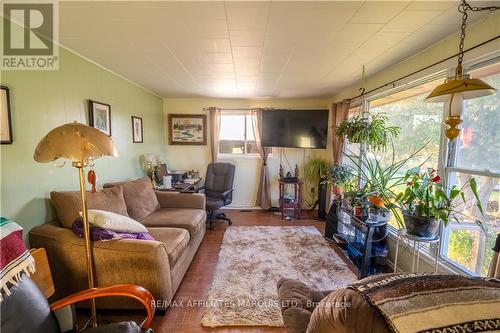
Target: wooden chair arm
{"type": "Point", "coordinates": [128, 290]}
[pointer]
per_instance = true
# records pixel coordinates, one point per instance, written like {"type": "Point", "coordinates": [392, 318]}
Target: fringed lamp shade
{"type": "Point", "coordinates": [76, 142]}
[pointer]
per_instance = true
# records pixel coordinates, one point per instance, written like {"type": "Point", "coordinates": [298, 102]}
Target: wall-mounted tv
{"type": "Point", "coordinates": [294, 128]}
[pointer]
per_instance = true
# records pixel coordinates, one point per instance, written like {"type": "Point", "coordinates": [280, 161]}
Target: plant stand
{"type": "Point", "coordinates": [290, 202]}
{"type": "Point", "coordinates": [416, 243]}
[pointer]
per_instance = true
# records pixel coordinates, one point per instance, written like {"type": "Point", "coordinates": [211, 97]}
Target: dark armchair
{"type": "Point", "coordinates": [218, 190]}
{"type": "Point", "coordinates": [27, 301]}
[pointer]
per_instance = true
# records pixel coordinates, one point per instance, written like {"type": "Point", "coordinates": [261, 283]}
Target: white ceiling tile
{"type": "Point", "coordinates": [247, 37]}
{"type": "Point", "coordinates": [385, 39]}
{"type": "Point", "coordinates": [203, 10]}
{"type": "Point", "coordinates": [355, 32]}
{"type": "Point", "coordinates": [247, 18]}
{"type": "Point", "coordinates": [410, 20]}
{"type": "Point", "coordinates": [378, 11]}
{"type": "Point", "coordinates": [209, 28]}
{"type": "Point", "coordinates": [432, 5]}
{"type": "Point", "coordinates": [247, 52]}
{"type": "Point", "coordinates": [215, 58]}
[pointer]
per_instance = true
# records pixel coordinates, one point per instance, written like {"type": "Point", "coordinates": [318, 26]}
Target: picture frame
{"type": "Point", "coordinates": [187, 129]}
{"type": "Point", "coordinates": [100, 116]}
{"type": "Point", "coordinates": [6, 136]}
{"type": "Point", "coordinates": [137, 131]}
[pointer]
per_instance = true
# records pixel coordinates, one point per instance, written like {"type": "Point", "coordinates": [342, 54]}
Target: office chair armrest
{"type": "Point", "coordinates": [225, 194]}
{"type": "Point", "coordinates": [127, 290]}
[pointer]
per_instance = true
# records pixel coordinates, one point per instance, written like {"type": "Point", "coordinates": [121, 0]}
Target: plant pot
{"type": "Point", "coordinates": [376, 201]}
{"type": "Point", "coordinates": [420, 226]}
{"type": "Point", "coordinates": [358, 211]}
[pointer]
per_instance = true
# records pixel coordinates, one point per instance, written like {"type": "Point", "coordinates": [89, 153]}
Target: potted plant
{"type": "Point", "coordinates": [425, 202]}
{"type": "Point", "coordinates": [341, 178]}
{"type": "Point", "coordinates": [371, 129]}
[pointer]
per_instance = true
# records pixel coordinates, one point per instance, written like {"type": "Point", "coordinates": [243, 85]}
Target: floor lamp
{"type": "Point", "coordinates": [81, 145]}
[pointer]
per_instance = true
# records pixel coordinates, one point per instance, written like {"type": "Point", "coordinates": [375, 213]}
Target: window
{"type": "Point", "coordinates": [236, 134]}
{"type": "Point", "coordinates": [420, 123]}
{"type": "Point", "coordinates": [476, 154]}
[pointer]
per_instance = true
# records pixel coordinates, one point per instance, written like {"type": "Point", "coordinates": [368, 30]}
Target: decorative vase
{"type": "Point", "coordinates": [420, 226]}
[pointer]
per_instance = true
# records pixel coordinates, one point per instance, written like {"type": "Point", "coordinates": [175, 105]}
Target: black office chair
{"type": "Point", "coordinates": [27, 310]}
{"type": "Point", "coordinates": [218, 190]}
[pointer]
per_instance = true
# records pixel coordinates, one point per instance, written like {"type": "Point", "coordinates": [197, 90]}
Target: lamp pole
{"type": "Point", "coordinates": [86, 232]}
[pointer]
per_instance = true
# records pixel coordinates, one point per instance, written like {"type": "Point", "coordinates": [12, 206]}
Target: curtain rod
{"type": "Point", "coordinates": [422, 69]}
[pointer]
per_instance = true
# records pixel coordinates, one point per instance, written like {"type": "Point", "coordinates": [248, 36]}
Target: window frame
{"type": "Point", "coordinates": [447, 159]}
{"type": "Point", "coordinates": [451, 168]}
{"type": "Point", "coordinates": [245, 154]}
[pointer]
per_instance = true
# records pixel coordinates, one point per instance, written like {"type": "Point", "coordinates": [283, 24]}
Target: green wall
{"type": "Point", "coordinates": [42, 100]}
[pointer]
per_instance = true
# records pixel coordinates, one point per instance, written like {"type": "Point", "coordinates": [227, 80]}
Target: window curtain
{"type": "Point", "coordinates": [494, 270]}
{"type": "Point", "coordinates": [214, 114]}
{"type": "Point", "coordinates": [340, 111]}
{"type": "Point", "coordinates": [264, 192]}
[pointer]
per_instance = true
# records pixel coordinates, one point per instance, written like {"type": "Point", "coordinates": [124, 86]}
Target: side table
{"type": "Point", "coordinates": [293, 201]}
{"type": "Point", "coordinates": [416, 243]}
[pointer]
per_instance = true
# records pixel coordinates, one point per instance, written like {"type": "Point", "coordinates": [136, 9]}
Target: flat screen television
{"type": "Point", "coordinates": [294, 128]}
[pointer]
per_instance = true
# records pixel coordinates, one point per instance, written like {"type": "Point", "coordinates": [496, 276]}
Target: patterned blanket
{"type": "Point", "coordinates": [434, 303]}
{"type": "Point", "coordinates": [15, 258]}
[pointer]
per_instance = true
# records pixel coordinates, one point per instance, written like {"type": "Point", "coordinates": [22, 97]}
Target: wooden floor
{"type": "Point", "coordinates": [198, 279]}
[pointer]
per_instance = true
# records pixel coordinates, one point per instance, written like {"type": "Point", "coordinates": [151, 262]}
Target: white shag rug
{"type": "Point", "coordinates": [253, 259]}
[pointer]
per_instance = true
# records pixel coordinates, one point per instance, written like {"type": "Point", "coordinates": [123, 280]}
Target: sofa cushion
{"type": "Point", "coordinates": [68, 204]}
{"type": "Point", "coordinates": [140, 197]}
{"type": "Point", "coordinates": [187, 218]}
{"type": "Point", "coordinates": [175, 240]}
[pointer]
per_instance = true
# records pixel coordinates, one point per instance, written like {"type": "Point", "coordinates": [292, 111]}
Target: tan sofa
{"type": "Point", "coordinates": [175, 220]}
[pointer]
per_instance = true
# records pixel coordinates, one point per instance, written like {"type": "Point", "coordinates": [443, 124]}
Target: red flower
{"type": "Point", "coordinates": [436, 179]}
{"type": "Point", "coordinates": [409, 184]}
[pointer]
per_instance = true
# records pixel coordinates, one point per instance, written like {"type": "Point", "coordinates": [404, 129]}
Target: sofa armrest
{"type": "Point", "coordinates": [140, 262]}
{"type": "Point", "coordinates": [181, 200]}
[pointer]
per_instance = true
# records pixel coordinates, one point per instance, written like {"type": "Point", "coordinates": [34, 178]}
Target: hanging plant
{"type": "Point", "coordinates": [375, 133]}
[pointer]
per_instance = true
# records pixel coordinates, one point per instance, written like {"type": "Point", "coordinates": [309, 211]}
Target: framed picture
{"type": "Point", "coordinates": [100, 116]}
{"type": "Point", "coordinates": [5, 117]}
{"type": "Point", "coordinates": [137, 130]}
{"type": "Point", "coordinates": [187, 129]}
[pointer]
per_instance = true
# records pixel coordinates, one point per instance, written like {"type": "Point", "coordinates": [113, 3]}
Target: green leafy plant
{"type": "Point", "coordinates": [374, 131]}
{"type": "Point", "coordinates": [378, 179]}
{"type": "Point", "coordinates": [342, 177]}
{"type": "Point", "coordinates": [425, 196]}
{"type": "Point", "coordinates": [316, 169]}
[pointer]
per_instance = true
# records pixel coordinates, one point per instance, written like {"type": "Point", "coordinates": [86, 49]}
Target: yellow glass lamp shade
{"type": "Point", "coordinates": [465, 86]}
{"type": "Point", "coordinates": [453, 92]}
{"type": "Point", "coordinates": [76, 142]}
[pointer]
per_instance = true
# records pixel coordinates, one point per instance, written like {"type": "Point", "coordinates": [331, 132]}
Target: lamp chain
{"type": "Point", "coordinates": [463, 8]}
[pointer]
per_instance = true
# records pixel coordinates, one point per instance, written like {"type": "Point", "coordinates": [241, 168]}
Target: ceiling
{"type": "Point", "coordinates": [252, 49]}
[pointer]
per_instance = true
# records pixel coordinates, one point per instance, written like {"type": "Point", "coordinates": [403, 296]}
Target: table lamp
{"type": "Point", "coordinates": [81, 144]}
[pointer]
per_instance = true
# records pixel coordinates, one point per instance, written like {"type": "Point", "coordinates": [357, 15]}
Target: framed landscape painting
{"type": "Point", "coordinates": [100, 116]}
{"type": "Point", "coordinates": [187, 129]}
{"type": "Point", "coordinates": [137, 132]}
{"type": "Point", "coordinates": [5, 117]}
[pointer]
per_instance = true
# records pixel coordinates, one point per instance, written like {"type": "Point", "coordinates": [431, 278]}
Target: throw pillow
{"type": "Point", "coordinates": [140, 197]}
{"type": "Point", "coordinates": [68, 204]}
{"type": "Point", "coordinates": [112, 221]}
{"type": "Point", "coordinates": [100, 234]}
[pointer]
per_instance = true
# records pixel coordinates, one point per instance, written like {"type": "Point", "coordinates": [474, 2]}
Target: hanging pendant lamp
{"type": "Point", "coordinates": [461, 86]}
